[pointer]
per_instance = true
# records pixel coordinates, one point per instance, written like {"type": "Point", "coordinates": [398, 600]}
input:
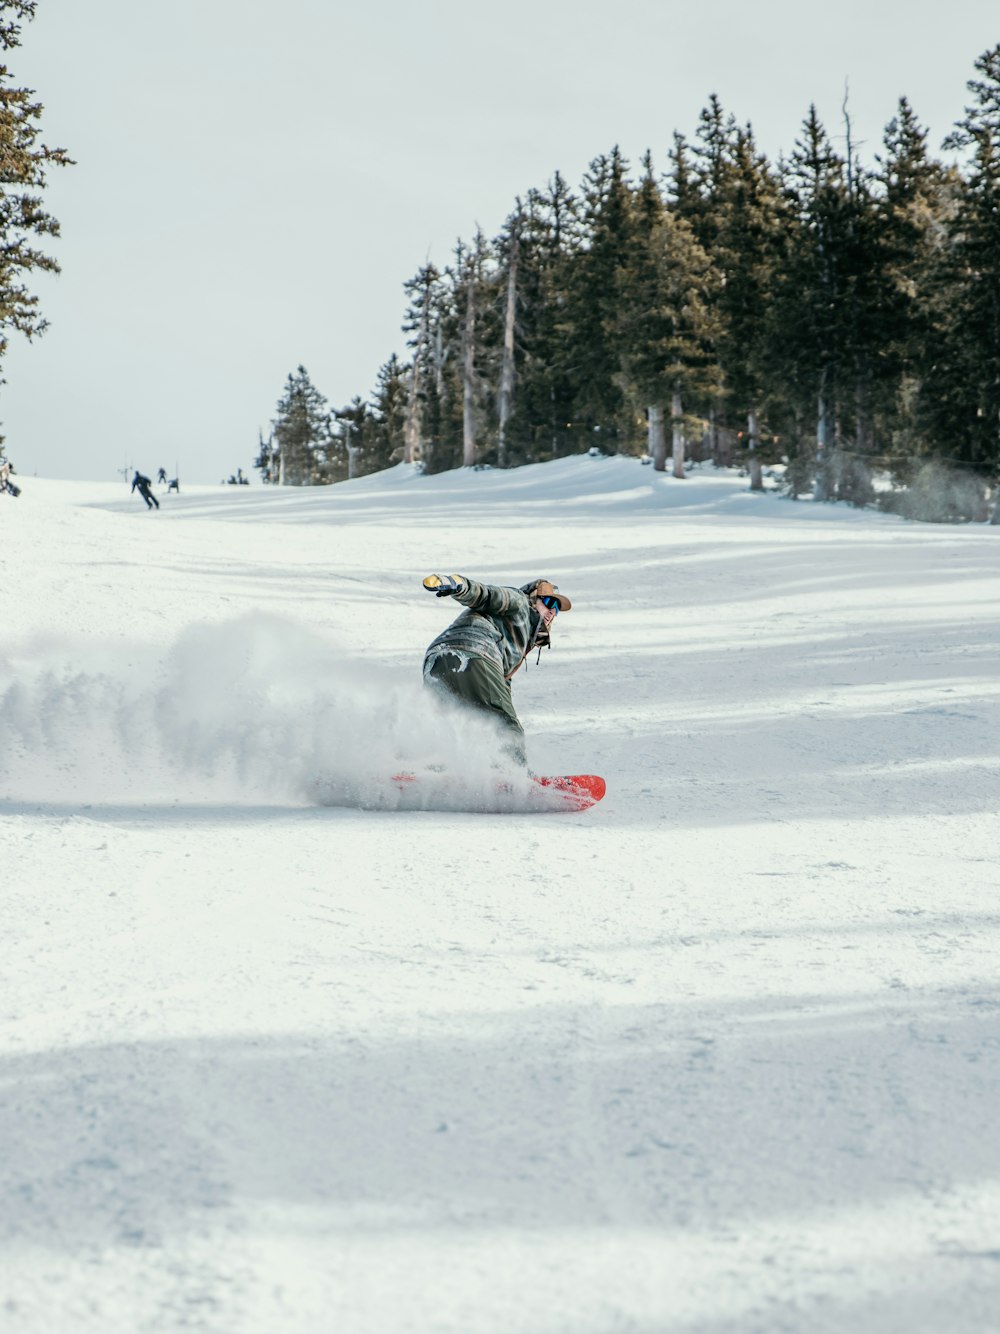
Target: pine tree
{"type": "Point", "coordinates": [709, 173]}
{"type": "Point", "coordinates": [301, 434]}
{"type": "Point", "coordinates": [641, 315]}
{"type": "Point", "coordinates": [352, 428]}
{"type": "Point", "coordinates": [865, 302]}
{"type": "Point", "coordinates": [474, 292]}
{"type": "Point", "coordinates": [915, 199]}
{"type": "Point", "coordinates": [968, 384]}
{"type": "Point", "coordinates": [446, 308]}
{"type": "Point", "coordinates": [747, 246]}
{"type": "Point", "coordinates": [815, 307]}
{"type": "Point", "coordinates": [665, 325]}
{"type": "Point", "coordinates": [24, 163]}
{"type": "Point", "coordinates": [541, 420]}
{"type": "Point", "coordinates": [419, 323]}
{"type": "Point", "coordinates": [684, 195]}
{"type": "Point", "coordinates": [384, 428]}
{"type": "Point", "coordinates": [509, 248]}
{"type": "Point", "coordinates": [599, 413]}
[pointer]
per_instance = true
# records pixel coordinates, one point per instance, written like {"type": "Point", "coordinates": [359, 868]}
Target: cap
{"type": "Point", "coordinates": [542, 588]}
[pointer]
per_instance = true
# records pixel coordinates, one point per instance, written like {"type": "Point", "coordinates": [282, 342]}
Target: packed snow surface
{"type": "Point", "coordinates": [720, 1054]}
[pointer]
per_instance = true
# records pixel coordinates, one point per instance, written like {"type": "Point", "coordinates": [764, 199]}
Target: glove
{"type": "Point", "coordinates": [444, 585]}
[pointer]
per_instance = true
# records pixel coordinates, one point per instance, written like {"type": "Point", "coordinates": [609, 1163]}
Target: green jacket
{"type": "Point", "coordinates": [500, 625]}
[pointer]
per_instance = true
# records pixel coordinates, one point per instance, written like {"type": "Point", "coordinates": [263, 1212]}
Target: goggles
{"type": "Point", "coordinates": [550, 603]}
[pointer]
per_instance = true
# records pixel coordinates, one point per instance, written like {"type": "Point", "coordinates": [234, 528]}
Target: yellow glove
{"type": "Point", "coordinates": [444, 585]}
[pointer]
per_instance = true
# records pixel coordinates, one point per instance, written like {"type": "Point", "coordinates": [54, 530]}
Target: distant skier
{"type": "Point", "coordinates": [161, 476]}
{"type": "Point", "coordinates": [143, 484]}
{"type": "Point", "coordinates": [174, 486]}
{"type": "Point", "coordinates": [475, 658]}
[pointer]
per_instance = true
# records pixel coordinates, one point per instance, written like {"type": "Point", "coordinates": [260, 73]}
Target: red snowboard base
{"type": "Point", "coordinates": [581, 790]}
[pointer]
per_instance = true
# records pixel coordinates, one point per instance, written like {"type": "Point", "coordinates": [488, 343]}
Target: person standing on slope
{"type": "Point", "coordinates": [475, 658]}
{"type": "Point", "coordinates": [144, 484]}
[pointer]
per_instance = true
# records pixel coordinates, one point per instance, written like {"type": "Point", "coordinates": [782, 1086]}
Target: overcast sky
{"type": "Point", "coordinates": [256, 181]}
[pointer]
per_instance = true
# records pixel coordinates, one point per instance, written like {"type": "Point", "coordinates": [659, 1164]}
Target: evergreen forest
{"type": "Point", "coordinates": [837, 316]}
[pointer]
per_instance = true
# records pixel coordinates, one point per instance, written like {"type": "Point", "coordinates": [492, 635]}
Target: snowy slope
{"type": "Point", "coordinates": [720, 1054]}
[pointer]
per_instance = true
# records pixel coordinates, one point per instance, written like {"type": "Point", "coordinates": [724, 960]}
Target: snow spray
{"type": "Point", "coordinates": [259, 708]}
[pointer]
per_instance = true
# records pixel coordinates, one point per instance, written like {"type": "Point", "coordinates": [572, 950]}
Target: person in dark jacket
{"type": "Point", "coordinates": [475, 658]}
{"type": "Point", "coordinates": [143, 485]}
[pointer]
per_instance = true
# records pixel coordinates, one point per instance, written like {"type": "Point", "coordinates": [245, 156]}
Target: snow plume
{"type": "Point", "coordinates": [257, 708]}
{"type": "Point", "coordinates": [940, 493]}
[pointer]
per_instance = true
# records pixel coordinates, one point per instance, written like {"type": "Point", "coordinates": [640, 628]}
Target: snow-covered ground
{"type": "Point", "coordinates": [721, 1054]}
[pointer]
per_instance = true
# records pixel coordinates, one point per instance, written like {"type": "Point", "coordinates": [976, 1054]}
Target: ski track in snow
{"type": "Point", "coordinates": [718, 1055]}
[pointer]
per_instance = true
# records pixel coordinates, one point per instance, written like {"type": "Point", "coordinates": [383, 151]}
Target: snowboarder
{"type": "Point", "coordinates": [475, 658]}
{"type": "Point", "coordinates": [143, 484]}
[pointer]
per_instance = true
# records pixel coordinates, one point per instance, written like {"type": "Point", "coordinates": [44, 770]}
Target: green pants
{"type": "Point", "coordinates": [481, 685]}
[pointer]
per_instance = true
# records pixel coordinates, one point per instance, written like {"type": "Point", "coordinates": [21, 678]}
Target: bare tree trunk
{"type": "Point", "coordinates": [862, 433]}
{"type": "Point", "coordinates": [469, 374]}
{"type": "Point", "coordinates": [413, 421]}
{"type": "Point", "coordinates": [507, 367]}
{"type": "Point", "coordinates": [657, 437]}
{"type": "Point", "coordinates": [440, 357]}
{"type": "Point", "coordinates": [753, 437]}
{"type": "Point", "coordinates": [677, 420]}
{"type": "Point", "coordinates": [822, 490]}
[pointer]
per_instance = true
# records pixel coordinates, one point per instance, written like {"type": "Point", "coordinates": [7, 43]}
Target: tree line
{"type": "Point", "coordinates": [839, 316]}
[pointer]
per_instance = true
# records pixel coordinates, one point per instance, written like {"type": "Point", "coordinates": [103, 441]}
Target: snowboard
{"type": "Point", "coordinates": [560, 792]}
{"type": "Point", "coordinates": [431, 790]}
{"type": "Point", "coordinates": [582, 790]}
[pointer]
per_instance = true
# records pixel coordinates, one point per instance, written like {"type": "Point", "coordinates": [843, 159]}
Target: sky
{"type": "Point", "coordinates": [253, 185]}
{"type": "Point", "coordinates": [716, 1056]}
